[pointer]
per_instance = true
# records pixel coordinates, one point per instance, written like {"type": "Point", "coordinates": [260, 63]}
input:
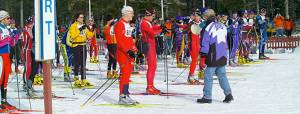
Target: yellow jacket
{"type": "Point", "coordinates": [78, 37]}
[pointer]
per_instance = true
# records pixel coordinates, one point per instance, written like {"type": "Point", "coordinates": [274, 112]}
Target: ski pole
{"type": "Point", "coordinates": [82, 105]}
{"type": "Point", "coordinates": [16, 66]}
{"type": "Point", "coordinates": [105, 89]}
{"type": "Point", "coordinates": [71, 83]}
{"type": "Point", "coordinates": [180, 73]}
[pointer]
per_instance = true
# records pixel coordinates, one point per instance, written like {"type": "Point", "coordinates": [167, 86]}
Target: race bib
{"type": "Point", "coordinates": [128, 30]}
{"type": "Point", "coordinates": [111, 31]}
{"type": "Point", "coordinates": [4, 33]}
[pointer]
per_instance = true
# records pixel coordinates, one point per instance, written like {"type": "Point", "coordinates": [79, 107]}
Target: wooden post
{"type": "Point", "coordinates": [47, 87]}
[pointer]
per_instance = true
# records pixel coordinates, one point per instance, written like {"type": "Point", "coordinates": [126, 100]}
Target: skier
{"type": "Point", "coordinates": [245, 44]}
{"type": "Point", "coordinates": [180, 42]}
{"type": "Point", "coordinates": [235, 24]}
{"type": "Point", "coordinates": [28, 56]}
{"type": "Point", "coordinates": [111, 43]}
{"type": "Point", "coordinates": [262, 26]}
{"type": "Point", "coordinates": [278, 22]}
{"type": "Point", "coordinates": [168, 37]}
{"type": "Point", "coordinates": [194, 46]}
{"type": "Point", "coordinates": [78, 37]}
{"type": "Point", "coordinates": [67, 56]}
{"type": "Point", "coordinates": [125, 54]}
{"type": "Point", "coordinates": [14, 55]}
{"type": "Point", "coordinates": [214, 49]}
{"type": "Point", "coordinates": [93, 42]}
{"type": "Point", "coordinates": [288, 26]}
{"type": "Point", "coordinates": [5, 66]}
{"type": "Point", "coordinates": [149, 32]}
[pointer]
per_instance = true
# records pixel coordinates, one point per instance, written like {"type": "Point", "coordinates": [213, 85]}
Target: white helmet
{"type": "Point", "coordinates": [3, 14]}
{"type": "Point", "coordinates": [126, 9]}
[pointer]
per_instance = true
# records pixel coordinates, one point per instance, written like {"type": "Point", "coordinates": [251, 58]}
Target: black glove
{"type": "Point", "coordinates": [82, 28]}
{"type": "Point", "coordinates": [164, 29]}
{"type": "Point", "coordinates": [131, 54]}
{"type": "Point", "coordinates": [203, 54]}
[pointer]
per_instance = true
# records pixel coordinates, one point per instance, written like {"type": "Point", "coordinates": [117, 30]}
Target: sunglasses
{"type": "Point", "coordinates": [8, 18]}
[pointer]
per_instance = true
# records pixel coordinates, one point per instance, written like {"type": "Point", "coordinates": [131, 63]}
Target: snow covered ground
{"type": "Point", "coordinates": [266, 88]}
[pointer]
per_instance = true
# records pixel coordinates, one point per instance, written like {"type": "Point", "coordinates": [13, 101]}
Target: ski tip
{"type": "Point", "coordinates": [81, 106]}
{"type": "Point", "coordinates": [91, 102]}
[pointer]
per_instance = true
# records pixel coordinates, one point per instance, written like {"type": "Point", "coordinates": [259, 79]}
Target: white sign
{"type": "Point", "coordinates": [45, 33]}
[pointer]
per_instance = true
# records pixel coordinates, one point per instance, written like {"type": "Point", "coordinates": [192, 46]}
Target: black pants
{"type": "Point", "coordinates": [229, 42]}
{"type": "Point", "coordinates": [112, 48]}
{"type": "Point", "coordinates": [79, 60]}
{"type": "Point", "coordinates": [57, 52]}
{"type": "Point", "coordinates": [15, 53]}
{"type": "Point", "coordinates": [288, 32]}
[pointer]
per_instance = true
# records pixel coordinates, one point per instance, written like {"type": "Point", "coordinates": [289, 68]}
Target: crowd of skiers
{"type": "Point", "coordinates": [210, 40]}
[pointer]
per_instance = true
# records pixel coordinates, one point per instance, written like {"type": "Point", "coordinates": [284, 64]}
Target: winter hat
{"type": "Point", "coordinates": [150, 11]}
{"type": "Point", "coordinates": [196, 12]}
{"type": "Point", "coordinates": [3, 15]}
{"type": "Point", "coordinates": [29, 20]}
{"type": "Point", "coordinates": [126, 9]}
{"type": "Point", "coordinates": [263, 10]}
{"type": "Point", "coordinates": [108, 18]}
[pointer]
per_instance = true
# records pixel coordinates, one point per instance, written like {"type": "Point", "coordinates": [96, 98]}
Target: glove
{"type": "Point", "coordinates": [164, 29]}
{"type": "Point", "coordinates": [204, 55]}
{"type": "Point", "coordinates": [131, 54]}
{"type": "Point", "coordinates": [82, 28]}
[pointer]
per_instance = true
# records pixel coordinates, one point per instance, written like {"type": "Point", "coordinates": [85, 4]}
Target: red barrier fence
{"type": "Point", "coordinates": [283, 42]}
{"type": "Point", "coordinates": [277, 42]}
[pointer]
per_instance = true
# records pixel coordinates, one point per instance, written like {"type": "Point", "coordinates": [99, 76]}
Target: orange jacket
{"type": "Point", "coordinates": [109, 35]}
{"type": "Point", "coordinates": [288, 24]}
{"type": "Point", "coordinates": [278, 21]}
{"type": "Point", "coordinates": [169, 27]}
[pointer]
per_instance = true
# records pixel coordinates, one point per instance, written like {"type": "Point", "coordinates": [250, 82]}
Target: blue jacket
{"type": "Point", "coordinates": [214, 45]}
{"type": "Point", "coordinates": [262, 23]}
{"type": "Point", "coordinates": [4, 32]}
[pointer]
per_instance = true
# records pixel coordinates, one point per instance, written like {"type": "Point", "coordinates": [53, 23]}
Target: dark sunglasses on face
{"type": "Point", "coordinates": [8, 18]}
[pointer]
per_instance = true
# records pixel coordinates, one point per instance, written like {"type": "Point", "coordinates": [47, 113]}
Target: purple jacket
{"type": "Point", "coordinates": [214, 45]}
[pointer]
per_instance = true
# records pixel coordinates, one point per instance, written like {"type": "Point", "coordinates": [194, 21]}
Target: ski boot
{"type": "Point", "coordinates": [241, 60]}
{"type": "Point", "coordinates": [249, 60]}
{"type": "Point", "coordinates": [265, 56]}
{"type": "Point", "coordinates": [115, 74]}
{"type": "Point", "coordinates": [86, 83]}
{"type": "Point", "coordinates": [4, 103]}
{"type": "Point", "coordinates": [151, 90]}
{"type": "Point", "coordinates": [192, 80]}
{"type": "Point", "coordinates": [109, 74]}
{"type": "Point", "coordinates": [204, 100]}
{"type": "Point", "coordinates": [181, 65]}
{"type": "Point", "coordinates": [228, 98]}
{"type": "Point", "coordinates": [262, 56]}
{"type": "Point", "coordinates": [201, 74]}
{"type": "Point", "coordinates": [28, 88]}
{"type": "Point", "coordinates": [126, 100]}
{"type": "Point", "coordinates": [96, 60]}
{"type": "Point", "coordinates": [77, 82]}
{"type": "Point", "coordinates": [37, 80]}
{"type": "Point", "coordinates": [92, 60]}
{"type": "Point", "coordinates": [6, 106]}
{"type": "Point", "coordinates": [232, 63]}
{"type": "Point", "coordinates": [67, 78]}
{"type": "Point", "coordinates": [3, 109]}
